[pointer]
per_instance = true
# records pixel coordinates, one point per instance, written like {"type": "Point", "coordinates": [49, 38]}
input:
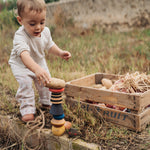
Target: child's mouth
{"type": "Point", "coordinates": [37, 33]}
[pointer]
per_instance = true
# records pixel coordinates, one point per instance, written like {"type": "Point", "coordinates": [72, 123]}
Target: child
{"type": "Point", "coordinates": [27, 58]}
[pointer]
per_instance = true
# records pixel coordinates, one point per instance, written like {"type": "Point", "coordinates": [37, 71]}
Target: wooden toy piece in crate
{"type": "Point", "coordinates": [80, 91]}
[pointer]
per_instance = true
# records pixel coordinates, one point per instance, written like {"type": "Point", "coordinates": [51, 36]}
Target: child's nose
{"type": "Point", "coordinates": [38, 26]}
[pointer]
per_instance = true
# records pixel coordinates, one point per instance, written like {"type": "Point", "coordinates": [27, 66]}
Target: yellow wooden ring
{"type": "Point", "coordinates": [58, 131]}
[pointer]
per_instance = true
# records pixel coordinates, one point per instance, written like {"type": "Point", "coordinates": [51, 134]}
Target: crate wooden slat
{"type": "Point", "coordinates": [81, 89]}
{"type": "Point", "coordinates": [84, 81]}
{"type": "Point", "coordinates": [103, 96]}
{"type": "Point", "coordinates": [136, 122]}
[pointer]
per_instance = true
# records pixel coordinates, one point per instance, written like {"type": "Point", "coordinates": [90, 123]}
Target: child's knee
{"type": "Point", "coordinates": [25, 90]}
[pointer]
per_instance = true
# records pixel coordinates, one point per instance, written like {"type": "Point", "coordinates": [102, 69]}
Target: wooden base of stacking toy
{"type": "Point", "coordinates": [58, 130]}
{"type": "Point", "coordinates": [58, 127]}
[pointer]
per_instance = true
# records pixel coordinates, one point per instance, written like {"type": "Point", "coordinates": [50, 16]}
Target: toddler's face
{"type": "Point", "coordinates": [34, 22]}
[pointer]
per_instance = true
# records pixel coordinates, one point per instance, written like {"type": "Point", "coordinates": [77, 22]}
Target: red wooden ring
{"type": "Point", "coordinates": [57, 90]}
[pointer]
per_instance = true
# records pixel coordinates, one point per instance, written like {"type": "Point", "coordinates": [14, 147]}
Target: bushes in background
{"type": "Point", "coordinates": [7, 17]}
{"type": "Point", "coordinates": [49, 1]}
{"type": "Point", "coordinates": [11, 4]}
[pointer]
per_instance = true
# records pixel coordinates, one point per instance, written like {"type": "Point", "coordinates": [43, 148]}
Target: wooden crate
{"type": "Point", "coordinates": [80, 90]}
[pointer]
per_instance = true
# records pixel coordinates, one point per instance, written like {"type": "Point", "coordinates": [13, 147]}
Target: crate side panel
{"type": "Point", "coordinates": [112, 77]}
{"type": "Point", "coordinates": [84, 81]}
{"type": "Point", "coordinates": [145, 99]}
{"type": "Point", "coordinates": [104, 96]}
{"type": "Point", "coordinates": [145, 118]}
{"type": "Point", "coordinates": [98, 78]}
{"type": "Point", "coordinates": [125, 119]}
{"type": "Point", "coordinates": [73, 90]}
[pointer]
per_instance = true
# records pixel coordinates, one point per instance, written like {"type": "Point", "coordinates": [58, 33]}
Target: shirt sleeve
{"type": "Point", "coordinates": [20, 43]}
{"type": "Point", "coordinates": [50, 42]}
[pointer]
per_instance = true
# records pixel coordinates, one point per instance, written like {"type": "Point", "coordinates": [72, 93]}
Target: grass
{"type": "Point", "coordinates": [107, 52]}
{"type": "Point", "coordinates": [93, 50]}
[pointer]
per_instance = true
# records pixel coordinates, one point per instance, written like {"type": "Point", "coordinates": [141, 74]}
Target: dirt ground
{"type": "Point", "coordinates": [92, 129]}
{"type": "Point", "coordinates": [109, 136]}
{"type": "Point", "coordinates": [116, 137]}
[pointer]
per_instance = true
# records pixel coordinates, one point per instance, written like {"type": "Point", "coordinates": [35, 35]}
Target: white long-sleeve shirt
{"type": "Point", "coordinates": [36, 47]}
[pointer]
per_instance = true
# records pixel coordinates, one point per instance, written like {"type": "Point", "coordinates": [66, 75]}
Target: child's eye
{"type": "Point", "coordinates": [42, 22]}
{"type": "Point", "coordinates": [32, 24]}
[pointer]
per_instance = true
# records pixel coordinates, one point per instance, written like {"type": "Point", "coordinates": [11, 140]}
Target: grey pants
{"type": "Point", "coordinates": [25, 94]}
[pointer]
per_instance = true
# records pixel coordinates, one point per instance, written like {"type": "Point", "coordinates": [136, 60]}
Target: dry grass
{"type": "Point", "coordinates": [92, 51]}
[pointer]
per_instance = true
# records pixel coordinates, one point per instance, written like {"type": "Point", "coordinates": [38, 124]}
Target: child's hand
{"type": "Point", "coordinates": [42, 76]}
{"type": "Point", "coordinates": [65, 55]}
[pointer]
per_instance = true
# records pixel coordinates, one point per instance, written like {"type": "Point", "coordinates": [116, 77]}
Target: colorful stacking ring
{"type": "Point", "coordinates": [56, 109]}
{"type": "Point", "coordinates": [59, 117]}
{"type": "Point", "coordinates": [57, 90]}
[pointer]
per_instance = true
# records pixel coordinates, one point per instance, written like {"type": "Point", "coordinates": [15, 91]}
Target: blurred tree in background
{"type": "Point", "coordinates": [11, 4]}
{"type": "Point", "coordinates": [7, 13]}
{"type": "Point", "coordinates": [49, 1]}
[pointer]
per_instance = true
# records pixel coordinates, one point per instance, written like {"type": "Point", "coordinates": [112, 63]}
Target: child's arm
{"type": "Point", "coordinates": [59, 52]}
{"type": "Point", "coordinates": [40, 73]}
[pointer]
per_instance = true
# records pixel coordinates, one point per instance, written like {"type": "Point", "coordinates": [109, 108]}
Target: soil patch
{"type": "Point", "coordinates": [93, 130]}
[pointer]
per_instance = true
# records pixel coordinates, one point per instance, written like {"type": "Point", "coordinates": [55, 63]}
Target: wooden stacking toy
{"type": "Point", "coordinates": [56, 87]}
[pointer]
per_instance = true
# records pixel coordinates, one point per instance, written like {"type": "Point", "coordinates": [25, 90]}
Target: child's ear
{"type": "Point", "coordinates": [19, 20]}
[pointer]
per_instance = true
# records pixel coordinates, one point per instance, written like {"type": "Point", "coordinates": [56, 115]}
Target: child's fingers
{"type": "Point", "coordinates": [66, 58]}
{"type": "Point", "coordinates": [46, 78]}
{"type": "Point", "coordinates": [43, 79]}
{"type": "Point", "coordinates": [39, 81]}
{"type": "Point", "coordinates": [67, 55]}
{"type": "Point", "coordinates": [44, 82]}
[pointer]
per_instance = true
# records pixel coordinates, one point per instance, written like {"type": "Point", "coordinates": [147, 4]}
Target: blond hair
{"type": "Point", "coordinates": [36, 5]}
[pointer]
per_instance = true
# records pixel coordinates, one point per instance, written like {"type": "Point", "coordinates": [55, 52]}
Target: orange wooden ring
{"type": "Point", "coordinates": [57, 90]}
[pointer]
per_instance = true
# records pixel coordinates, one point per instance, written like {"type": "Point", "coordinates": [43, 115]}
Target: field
{"type": "Point", "coordinates": [93, 50]}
